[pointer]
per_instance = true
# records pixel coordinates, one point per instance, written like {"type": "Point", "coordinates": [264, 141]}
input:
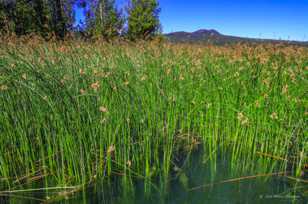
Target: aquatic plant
{"type": "Point", "coordinates": [76, 112]}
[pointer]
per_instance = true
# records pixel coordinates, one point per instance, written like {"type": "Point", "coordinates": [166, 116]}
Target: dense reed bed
{"type": "Point", "coordinates": [75, 112]}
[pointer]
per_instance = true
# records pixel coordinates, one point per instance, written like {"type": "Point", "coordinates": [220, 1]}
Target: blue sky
{"type": "Point", "coordinates": [277, 19]}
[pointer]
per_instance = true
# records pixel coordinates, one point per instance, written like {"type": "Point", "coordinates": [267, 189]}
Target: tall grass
{"type": "Point", "coordinates": [74, 112]}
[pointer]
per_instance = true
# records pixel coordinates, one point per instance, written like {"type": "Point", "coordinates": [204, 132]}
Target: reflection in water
{"type": "Point", "coordinates": [189, 184]}
{"type": "Point", "coordinates": [182, 188]}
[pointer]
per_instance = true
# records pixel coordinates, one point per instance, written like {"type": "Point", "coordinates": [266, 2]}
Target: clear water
{"type": "Point", "coordinates": [275, 189]}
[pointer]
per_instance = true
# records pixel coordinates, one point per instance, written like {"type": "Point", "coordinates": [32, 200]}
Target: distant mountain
{"type": "Point", "coordinates": [214, 37]}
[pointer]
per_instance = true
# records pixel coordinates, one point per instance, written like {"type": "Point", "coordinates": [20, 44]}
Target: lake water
{"type": "Point", "coordinates": [189, 184]}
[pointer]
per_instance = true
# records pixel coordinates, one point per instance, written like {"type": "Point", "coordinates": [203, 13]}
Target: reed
{"type": "Point", "coordinates": [76, 112]}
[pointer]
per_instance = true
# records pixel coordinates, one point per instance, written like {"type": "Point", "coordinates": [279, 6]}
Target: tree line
{"type": "Point", "coordinates": [47, 18]}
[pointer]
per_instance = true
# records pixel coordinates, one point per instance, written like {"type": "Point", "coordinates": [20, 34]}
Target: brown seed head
{"type": "Point", "coordinates": [95, 86]}
{"type": "Point", "coordinates": [103, 109]}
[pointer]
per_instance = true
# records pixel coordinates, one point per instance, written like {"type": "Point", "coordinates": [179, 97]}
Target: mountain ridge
{"type": "Point", "coordinates": [212, 36]}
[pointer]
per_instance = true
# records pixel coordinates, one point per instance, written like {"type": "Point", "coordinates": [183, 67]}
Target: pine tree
{"type": "Point", "coordinates": [42, 17]}
{"type": "Point", "coordinates": [6, 17]}
{"type": "Point", "coordinates": [62, 17]}
{"type": "Point", "coordinates": [24, 17]}
{"type": "Point", "coordinates": [104, 19]}
{"type": "Point", "coordinates": [143, 19]}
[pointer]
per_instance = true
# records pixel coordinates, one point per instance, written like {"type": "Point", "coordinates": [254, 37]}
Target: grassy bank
{"type": "Point", "coordinates": [75, 112]}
